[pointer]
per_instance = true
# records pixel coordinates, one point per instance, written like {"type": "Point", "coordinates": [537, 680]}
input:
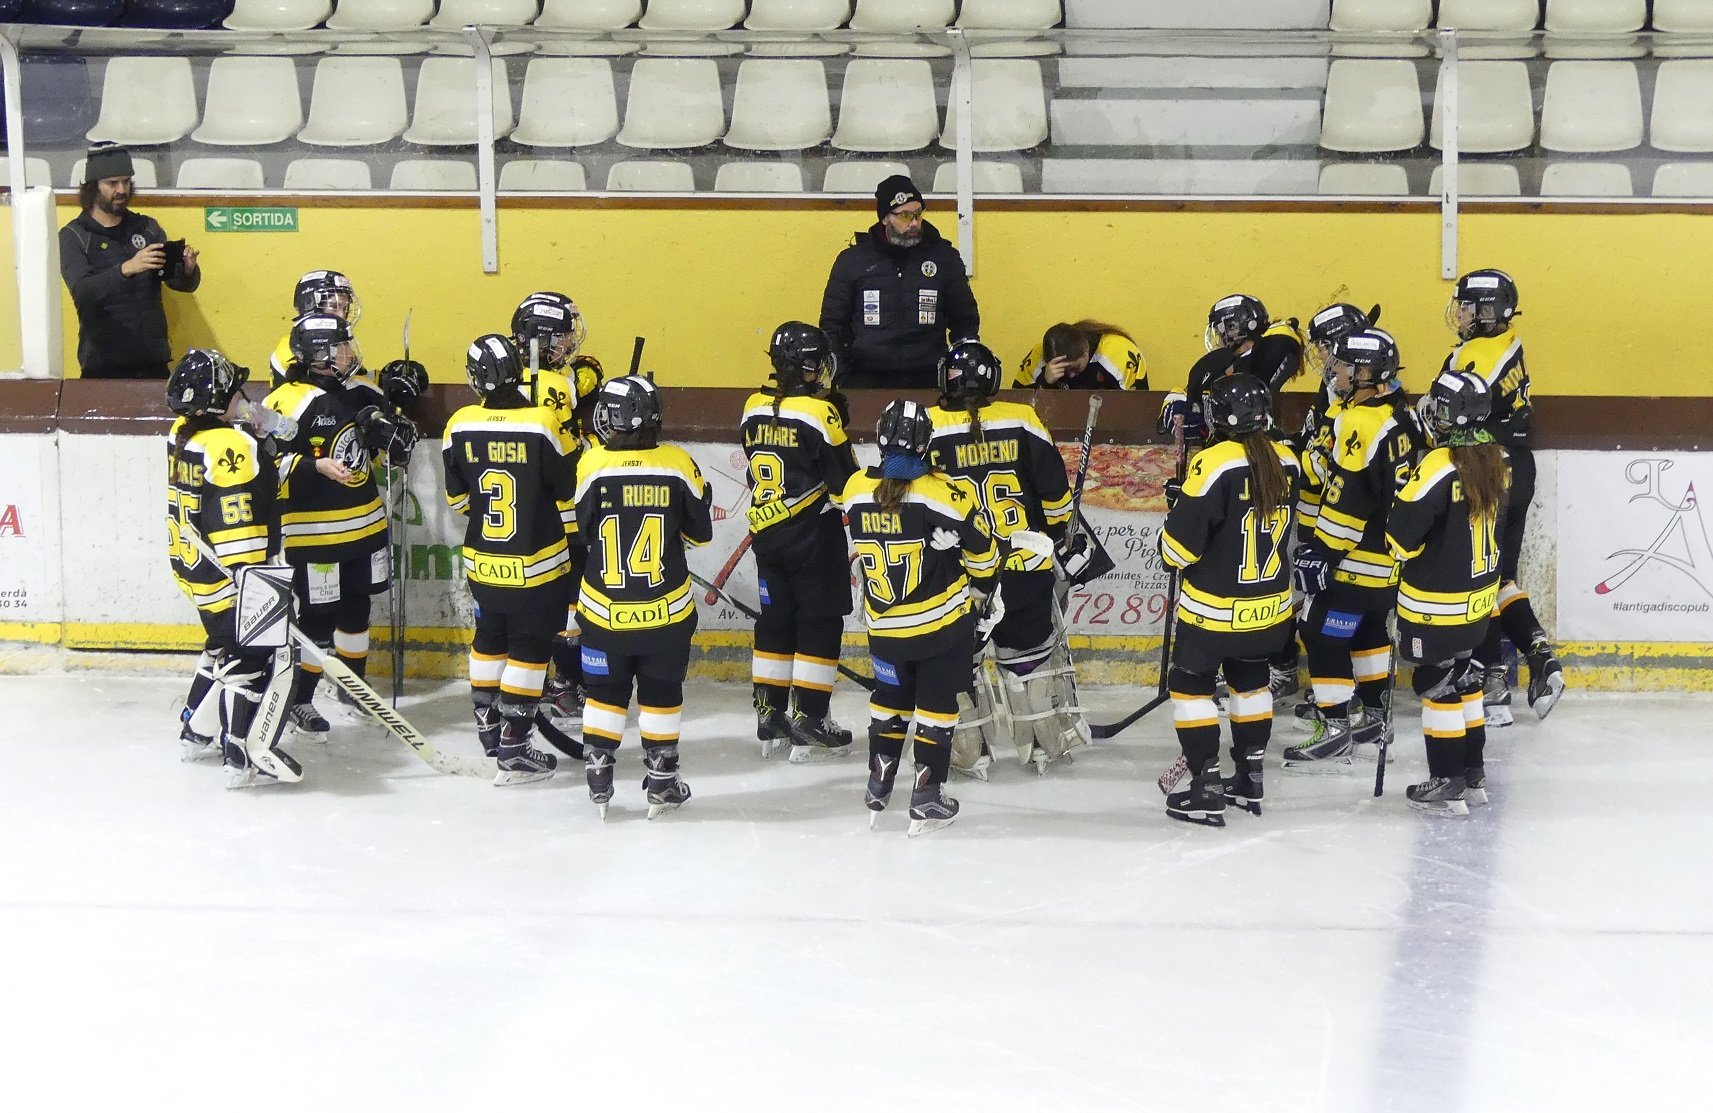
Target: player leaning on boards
{"type": "Point", "coordinates": [1444, 528]}
{"type": "Point", "coordinates": [333, 520]}
{"type": "Point", "coordinates": [1240, 339]}
{"type": "Point", "coordinates": [559, 377]}
{"type": "Point", "coordinates": [639, 504]}
{"type": "Point", "coordinates": [220, 487]}
{"type": "Point", "coordinates": [1001, 455]}
{"type": "Point", "coordinates": [1227, 530]}
{"type": "Point", "coordinates": [799, 457]}
{"type": "Point", "coordinates": [1481, 310]}
{"type": "Point", "coordinates": [1087, 355]}
{"type": "Point", "coordinates": [509, 469]}
{"type": "Point", "coordinates": [929, 563]}
{"type": "Point", "coordinates": [1344, 567]}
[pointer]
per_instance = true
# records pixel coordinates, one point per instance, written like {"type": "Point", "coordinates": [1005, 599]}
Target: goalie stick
{"type": "Point", "coordinates": [366, 697]}
{"type": "Point", "coordinates": [714, 593]}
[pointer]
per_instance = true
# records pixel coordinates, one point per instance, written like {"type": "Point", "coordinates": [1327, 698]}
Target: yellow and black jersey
{"type": "Point", "coordinates": [1274, 358]}
{"type": "Point", "coordinates": [1450, 574]}
{"type": "Point", "coordinates": [1012, 469]}
{"type": "Point", "coordinates": [282, 368]}
{"type": "Point", "coordinates": [1498, 360]}
{"type": "Point", "coordinates": [913, 587]}
{"type": "Point", "coordinates": [509, 472]}
{"type": "Point", "coordinates": [1234, 559]}
{"type": "Point", "coordinates": [324, 520]}
{"type": "Point", "coordinates": [1115, 364]}
{"type": "Point", "coordinates": [551, 390]}
{"type": "Point", "coordinates": [1375, 444]}
{"type": "Point", "coordinates": [220, 487]}
{"type": "Point", "coordinates": [1316, 460]}
{"type": "Point", "coordinates": [637, 508]}
{"type": "Point", "coordinates": [799, 457]}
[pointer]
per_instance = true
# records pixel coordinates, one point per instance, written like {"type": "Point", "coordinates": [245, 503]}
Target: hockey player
{"type": "Point", "coordinates": [400, 382]}
{"type": "Point", "coordinates": [1481, 311]}
{"type": "Point", "coordinates": [561, 378]}
{"type": "Point", "coordinates": [1444, 527]}
{"type": "Point", "coordinates": [799, 457]}
{"type": "Point", "coordinates": [929, 564]}
{"type": "Point", "coordinates": [1001, 455]}
{"type": "Point", "coordinates": [639, 503]}
{"type": "Point", "coordinates": [509, 469]}
{"type": "Point", "coordinates": [1344, 568]}
{"type": "Point", "coordinates": [333, 521]}
{"type": "Point", "coordinates": [1240, 339]}
{"type": "Point", "coordinates": [1228, 532]}
{"type": "Point", "coordinates": [220, 488]}
{"type": "Point", "coordinates": [1088, 355]}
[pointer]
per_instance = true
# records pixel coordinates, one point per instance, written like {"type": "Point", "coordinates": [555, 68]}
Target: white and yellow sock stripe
{"type": "Point", "coordinates": [657, 724]}
{"type": "Point", "coordinates": [603, 721]}
{"type": "Point", "coordinates": [770, 668]}
{"type": "Point", "coordinates": [817, 673]}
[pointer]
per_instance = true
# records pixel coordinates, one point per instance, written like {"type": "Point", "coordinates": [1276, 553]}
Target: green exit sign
{"type": "Point", "coordinates": [226, 218]}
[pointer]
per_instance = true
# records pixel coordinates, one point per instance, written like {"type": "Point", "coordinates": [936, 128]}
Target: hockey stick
{"type": "Point", "coordinates": [1386, 723]}
{"type": "Point", "coordinates": [1082, 464]}
{"type": "Point", "coordinates": [636, 358]}
{"type": "Point", "coordinates": [715, 593]}
{"type": "Point", "coordinates": [366, 697]}
{"type": "Point", "coordinates": [725, 573]}
{"type": "Point", "coordinates": [1163, 693]}
{"type": "Point", "coordinates": [395, 604]}
{"type": "Point", "coordinates": [560, 741]}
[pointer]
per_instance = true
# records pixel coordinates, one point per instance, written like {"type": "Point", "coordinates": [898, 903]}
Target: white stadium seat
{"type": "Point", "coordinates": [1587, 179]}
{"type": "Point", "coordinates": [356, 101]}
{"type": "Point", "coordinates": [1227, 177]}
{"type": "Point", "coordinates": [346, 175]}
{"type": "Point", "coordinates": [567, 102]}
{"type": "Point", "coordinates": [1489, 15]}
{"type": "Point", "coordinates": [146, 101]}
{"type": "Point", "coordinates": [902, 15]}
{"type": "Point", "coordinates": [860, 177]}
{"type": "Point", "coordinates": [1363, 179]}
{"type": "Point", "coordinates": [489, 13]}
{"type": "Point", "coordinates": [990, 177]}
{"type": "Point", "coordinates": [645, 176]}
{"type": "Point", "coordinates": [1596, 15]}
{"type": "Point", "coordinates": [589, 15]}
{"type": "Point", "coordinates": [380, 15]}
{"type": "Point", "coordinates": [780, 105]}
{"type": "Point", "coordinates": [252, 101]}
{"type": "Point", "coordinates": [887, 104]}
{"type": "Point", "coordinates": [1683, 15]}
{"type": "Point", "coordinates": [797, 15]}
{"type": "Point", "coordinates": [759, 177]}
{"type": "Point", "coordinates": [1592, 106]}
{"type": "Point", "coordinates": [1682, 118]}
{"type": "Point", "coordinates": [1008, 103]}
{"type": "Point", "coordinates": [434, 176]}
{"type": "Point", "coordinates": [529, 175]}
{"type": "Point", "coordinates": [692, 15]}
{"type": "Point", "coordinates": [220, 173]}
{"type": "Point", "coordinates": [40, 172]}
{"type": "Point", "coordinates": [1372, 104]}
{"type": "Point", "coordinates": [1006, 15]}
{"type": "Point", "coordinates": [445, 113]}
{"type": "Point", "coordinates": [143, 174]}
{"type": "Point", "coordinates": [1684, 179]}
{"type": "Point", "coordinates": [1300, 15]}
{"type": "Point", "coordinates": [1495, 110]}
{"type": "Point", "coordinates": [1381, 15]}
{"type": "Point", "coordinates": [673, 103]}
{"type": "Point", "coordinates": [277, 15]}
{"type": "Point", "coordinates": [1480, 179]}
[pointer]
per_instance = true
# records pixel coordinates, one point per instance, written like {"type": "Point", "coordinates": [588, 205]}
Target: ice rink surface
{"type": "Point", "coordinates": [387, 938]}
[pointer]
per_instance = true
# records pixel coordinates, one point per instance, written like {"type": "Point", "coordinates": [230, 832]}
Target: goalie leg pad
{"type": "Point", "coordinates": [253, 709]}
{"type": "Point", "coordinates": [1042, 706]}
{"type": "Point", "coordinates": [978, 730]}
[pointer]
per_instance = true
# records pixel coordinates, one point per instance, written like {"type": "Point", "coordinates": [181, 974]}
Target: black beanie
{"type": "Point", "coordinates": [893, 192]}
{"type": "Point", "coordinates": [106, 160]}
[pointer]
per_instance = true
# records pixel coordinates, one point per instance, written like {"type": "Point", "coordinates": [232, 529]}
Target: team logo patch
{"type": "Point", "coordinates": [929, 268]}
{"type": "Point", "coordinates": [1340, 624]}
{"type": "Point", "coordinates": [138, 242]}
{"type": "Point", "coordinates": [884, 673]}
{"type": "Point", "coordinates": [595, 661]}
{"type": "Point", "coordinates": [766, 598]}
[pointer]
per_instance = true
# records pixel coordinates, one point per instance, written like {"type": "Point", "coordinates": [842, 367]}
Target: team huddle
{"type": "Point", "coordinates": [1380, 523]}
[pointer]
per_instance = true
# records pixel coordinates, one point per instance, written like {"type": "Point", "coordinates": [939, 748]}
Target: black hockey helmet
{"type": "Point", "coordinates": [1482, 304]}
{"type": "Point", "coordinates": [552, 320]}
{"type": "Point", "coordinates": [1371, 355]}
{"type": "Point", "coordinates": [1457, 403]}
{"type": "Point", "coordinates": [904, 426]}
{"type": "Point", "coordinates": [1238, 405]}
{"type": "Point", "coordinates": [802, 357]}
{"type": "Point", "coordinates": [326, 292]}
{"type": "Point", "coordinates": [1234, 319]}
{"type": "Point", "coordinates": [1336, 320]}
{"type": "Point", "coordinates": [970, 368]}
{"type": "Point", "coordinates": [321, 342]}
{"type": "Point", "coordinates": [492, 365]}
{"type": "Point", "coordinates": [203, 382]}
{"type": "Point", "coordinates": [626, 406]}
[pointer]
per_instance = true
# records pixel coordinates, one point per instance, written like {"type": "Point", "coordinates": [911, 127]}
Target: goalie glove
{"type": "Point", "coordinates": [990, 609]}
{"type": "Point", "coordinates": [1313, 569]}
{"type": "Point", "coordinates": [403, 381]}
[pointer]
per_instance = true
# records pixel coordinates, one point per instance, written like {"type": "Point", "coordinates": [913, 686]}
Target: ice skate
{"type": "Point", "coordinates": [519, 762]}
{"type": "Point", "coordinates": [241, 772]}
{"type": "Point", "coordinates": [488, 730]}
{"type": "Point", "coordinates": [1475, 786]}
{"type": "Point", "coordinates": [882, 771]}
{"type": "Point", "coordinates": [978, 769]}
{"type": "Point", "coordinates": [1284, 682]}
{"type": "Point", "coordinates": [307, 723]}
{"type": "Point", "coordinates": [1328, 748]}
{"type": "Point", "coordinates": [772, 727]}
{"type": "Point", "coordinates": [598, 771]}
{"type": "Point", "coordinates": [1546, 678]}
{"type": "Point", "coordinates": [930, 808]}
{"type": "Point", "coordinates": [1243, 789]}
{"type": "Point", "coordinates": [563, 702]}
{"type": "Point", "coordinates": [1371, 735]}
{"type": "Point", "coordinates": [1307, 713]}
{"type": "Point", "coordinates": [1203, 802]}
{"type": "Point", "coordinates": [814, 739]}
{"type": "Point", "coordinates": [1444, 796]}
{"type": "Point", "coordinates": [666, 789]}
{"type": "Point", "coordinates": [194, 746]}
{"type": "Point", "coordinates": [1496, 697]}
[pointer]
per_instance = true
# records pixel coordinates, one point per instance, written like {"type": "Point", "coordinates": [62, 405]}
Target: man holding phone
{"type": "Point", "coordinates": [114, 262]}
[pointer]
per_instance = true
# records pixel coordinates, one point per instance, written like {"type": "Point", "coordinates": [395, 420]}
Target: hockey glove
{"type": "Point", "coordinates": [403, 442]}
{"type": "Point", "coordinates": [1177, 407]}
{"type": "Point", "coordinates": [989, 611]}
{"type": "Point", "coordinates": [1313, 571]}
{"type": "Point", "coordinates": [1075, 556]}
{"type": "Point", "coordinates": [944, 539]}
{"type": "Point", "coordinates": [393, 434]}
{"type": "Point", "coordinates": [841, 405]}
{"type": "Point", "coordinates": [1173, 491]}
{"type": "Point", "coordinates": [585, 373]}
{"type": "Point", "coordinates": [403, 381]}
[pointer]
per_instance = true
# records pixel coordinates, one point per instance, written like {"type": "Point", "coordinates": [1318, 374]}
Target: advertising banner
{"type": "Point", "coordinates": [29, 532]}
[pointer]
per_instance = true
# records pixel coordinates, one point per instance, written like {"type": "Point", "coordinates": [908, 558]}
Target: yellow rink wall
{"type": "Point", "coordinates": [11, 344]}
{"type": "Point", "coordinates": [707, 285]}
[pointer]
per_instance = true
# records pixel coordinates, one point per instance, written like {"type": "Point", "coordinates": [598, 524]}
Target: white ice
{"type": "Point", "coordinates": [386, 938]}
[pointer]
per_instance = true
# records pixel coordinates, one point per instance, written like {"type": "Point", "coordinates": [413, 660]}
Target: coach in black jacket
{"type": "Point", "coordinates": [897, 297]}
{"type": "Point", "coordinates": [114, 262]}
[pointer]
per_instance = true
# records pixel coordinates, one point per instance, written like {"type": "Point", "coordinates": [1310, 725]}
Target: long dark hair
{"type": "Point", "coordinates": [890, 493]}
{"type": "Point", "coordinates": [1482, 471]}
{"type": "Point", "coordinates": [1268, 487]}
{"type": "Point", "coordinates": [1077, 340]}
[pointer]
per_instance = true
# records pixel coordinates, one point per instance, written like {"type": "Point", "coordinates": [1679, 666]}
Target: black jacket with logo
{"type": "Point", "coordinates": [890, 311]}
{"type": "Point", "coordinates": [121, 322]}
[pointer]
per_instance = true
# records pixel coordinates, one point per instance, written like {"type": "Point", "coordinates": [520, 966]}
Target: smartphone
{"type": "Point", "coordinates": [174, 265]}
